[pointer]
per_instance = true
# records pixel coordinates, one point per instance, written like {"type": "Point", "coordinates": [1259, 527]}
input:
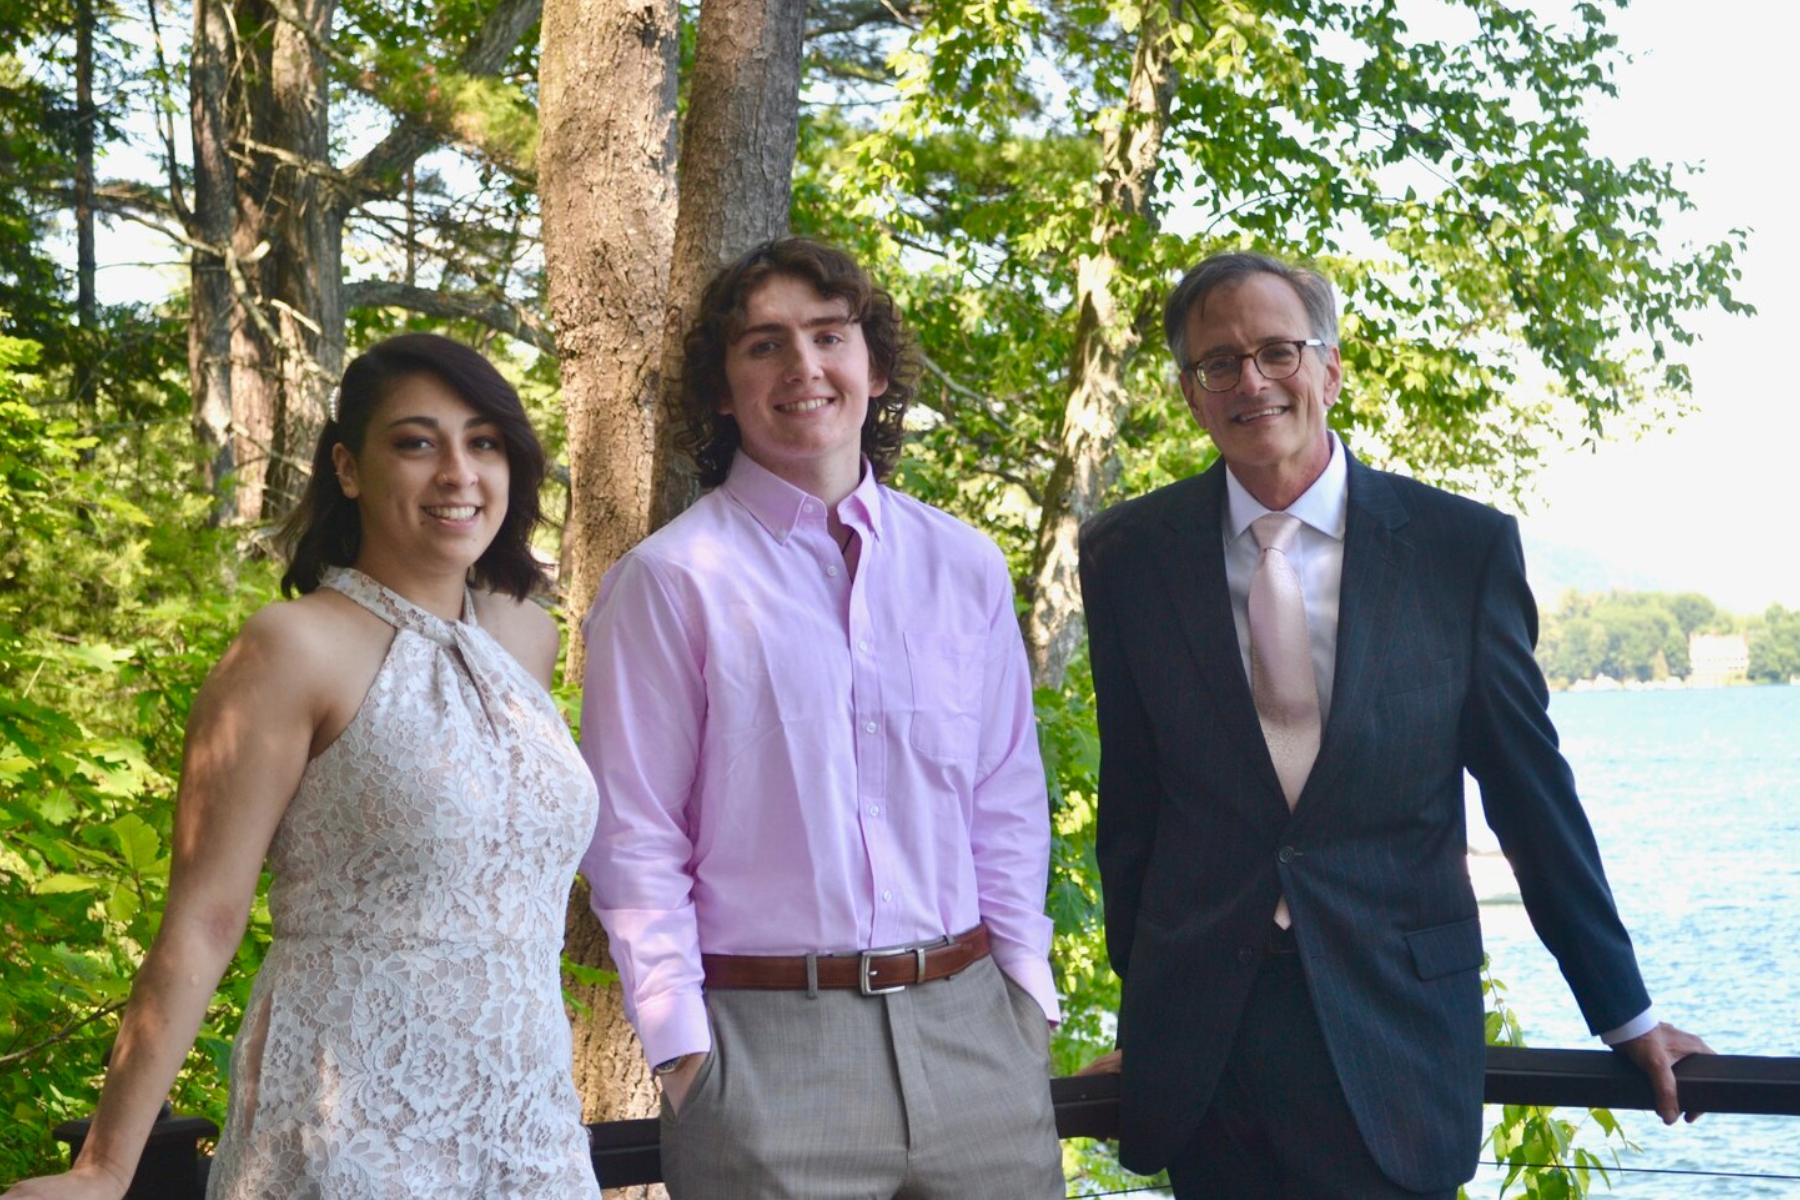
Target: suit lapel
{"type": "Point", "coordinates": [1192, 568]}
{"type": "Point", "coordinates": [1376, 559]}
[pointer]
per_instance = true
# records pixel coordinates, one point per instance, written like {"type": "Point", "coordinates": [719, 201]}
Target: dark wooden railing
{"type": "Point", "coordinates": [626, 1153]}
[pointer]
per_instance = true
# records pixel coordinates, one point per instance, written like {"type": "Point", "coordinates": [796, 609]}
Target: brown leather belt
{"type": "Point", "coordinates": [872, 972]}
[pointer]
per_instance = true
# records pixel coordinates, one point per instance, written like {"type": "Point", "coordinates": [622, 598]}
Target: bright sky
{"type": "Point", "coordinates": [1708, 506]}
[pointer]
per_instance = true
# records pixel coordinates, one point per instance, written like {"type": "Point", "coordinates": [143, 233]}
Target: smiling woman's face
{"type": "Point", "coordinates": [430, 484]}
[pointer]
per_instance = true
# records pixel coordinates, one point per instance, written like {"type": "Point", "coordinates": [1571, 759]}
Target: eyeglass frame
{"type": "Point", "coordinates": [1300, 344]}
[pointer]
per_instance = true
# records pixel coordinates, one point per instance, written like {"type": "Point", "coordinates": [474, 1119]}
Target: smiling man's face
{"type": "Point", "coordinates": [1271, 434]}
{"type": "Point", "coordinates": [799, 382]}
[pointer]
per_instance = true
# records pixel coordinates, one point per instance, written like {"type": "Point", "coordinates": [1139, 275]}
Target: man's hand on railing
{"type": "Point", "coordinates": [1107, 1064]}
{"type": "Point", "coordinates": [1656, 1054]}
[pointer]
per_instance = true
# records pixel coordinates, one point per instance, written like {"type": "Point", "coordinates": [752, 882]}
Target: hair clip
{"type": "Point", "coordinates": [331, 404]}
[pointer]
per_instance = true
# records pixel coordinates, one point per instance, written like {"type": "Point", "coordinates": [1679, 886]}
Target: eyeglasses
{"type": "Point", "coordinates": [1275, 361]}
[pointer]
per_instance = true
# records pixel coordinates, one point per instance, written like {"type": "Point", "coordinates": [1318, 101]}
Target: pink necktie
{"type": "Point", "coordinates": [1281, 673]}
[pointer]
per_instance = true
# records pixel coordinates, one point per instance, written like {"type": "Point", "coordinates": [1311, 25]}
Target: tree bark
{"type": "Point", "coordinates": [607, 196]}
{"type": "Point", "coordinates": [86, 305]}
{"type": "Point", "coordinates": [211, 301]}
{"type": "Point", "coordinates": [1131, 149]}
{"type": "Point", "coordinates": [301, 319]}
{"type": "Point", "coordinates": [736, 181]}
{"type": "Point", "coordinates": [87, 308]}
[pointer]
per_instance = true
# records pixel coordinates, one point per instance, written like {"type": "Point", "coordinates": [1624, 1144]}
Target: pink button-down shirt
{"type": "Point", "coordinates": [792, 760]}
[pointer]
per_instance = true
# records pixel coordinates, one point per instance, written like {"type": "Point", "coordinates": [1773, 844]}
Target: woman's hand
{"type": "Point", "coordinates": [81, 1182]}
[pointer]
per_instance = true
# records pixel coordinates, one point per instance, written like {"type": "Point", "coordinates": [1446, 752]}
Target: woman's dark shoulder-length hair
{"type": "Point", "coordinates": [325, 529]}
{"type": "Point", "coordinates": [712, 438]}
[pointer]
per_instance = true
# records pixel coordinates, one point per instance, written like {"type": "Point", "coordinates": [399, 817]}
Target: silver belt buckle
{"type": "Point", "coordinates": [867, 962]}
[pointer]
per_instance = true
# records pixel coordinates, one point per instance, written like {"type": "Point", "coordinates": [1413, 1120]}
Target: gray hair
{"type": "Point", "coordinates": [1223, 270]}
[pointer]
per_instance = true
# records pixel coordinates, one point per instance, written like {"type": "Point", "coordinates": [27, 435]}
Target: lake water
{"type": "Point", "coordinates": [1695, 799]}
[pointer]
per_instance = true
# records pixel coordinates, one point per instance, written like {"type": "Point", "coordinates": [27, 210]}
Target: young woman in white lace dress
{"type": "Point", "coordinates": [388, 745]}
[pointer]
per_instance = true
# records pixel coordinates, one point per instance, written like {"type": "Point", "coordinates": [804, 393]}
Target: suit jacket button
{"type": "Point", "coordinates": [1246, 956]}
{"type": "Point", "coordinates": [1287, 854]}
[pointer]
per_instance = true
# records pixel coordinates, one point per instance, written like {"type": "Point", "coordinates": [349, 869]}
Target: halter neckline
{"type": "Point", "coordinates": [396, 609]}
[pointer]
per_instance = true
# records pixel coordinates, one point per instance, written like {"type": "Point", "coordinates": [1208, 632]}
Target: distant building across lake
{"type": "Point", "coordinates": [1716, 659]}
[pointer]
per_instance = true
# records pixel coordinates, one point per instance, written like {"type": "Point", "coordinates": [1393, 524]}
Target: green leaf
{"type": "Point", "coordinates": [62, 884]}
{"type": "Point", "coordinates": [122, 904]}
{"type": "Point", "coordinates": [56, 807]}
{"type": "Point", "coordinates": [138, 843]}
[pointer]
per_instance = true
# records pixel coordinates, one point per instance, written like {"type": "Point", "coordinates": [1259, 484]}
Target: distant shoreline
{"type": "Point", "coordinates": [1605, 683]}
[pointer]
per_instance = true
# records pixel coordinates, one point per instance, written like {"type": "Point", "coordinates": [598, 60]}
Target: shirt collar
{"type": "Point", "coordinates": [779, 506]}
{"type": "Point", "coordinates": [1325, 505]}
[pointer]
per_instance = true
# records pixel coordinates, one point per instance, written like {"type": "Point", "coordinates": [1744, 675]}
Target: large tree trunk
{"type": "Point", "coordinates": [300, 314]}
{"type": "Point", "coordinates": [210, 302]}
{"type": "Point", "coordinates": [737, 169]}
{"type": "Point", "coordinates": [606, 172]}
{"type": "Point", "coordinates": [1105, 338]}
{"type": "Point", "coordinates": [607, 192]}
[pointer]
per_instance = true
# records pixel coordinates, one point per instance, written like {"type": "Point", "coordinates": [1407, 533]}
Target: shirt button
{"type": "Point", "coordinates": [1286, 854]}
{"type": "Point", "coordinates": [831, 569]}
{"type": "Point", "coordinates": [886, 895]}
{"type": "Point", "coordinates": [874, 810]}
{"type": "Point", "coordinates": [1246, 956]}
{"type": "Point", "coordinates": [863, 646]}
{"type": "Point", "coordinates": [868, 727]}
{"type": "Point", "coordinates": [809, 506]}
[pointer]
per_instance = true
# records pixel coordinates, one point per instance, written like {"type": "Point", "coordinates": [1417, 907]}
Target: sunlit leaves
{"type": "Point", "coordinates": [1542, 1152]}
{"type": "Point", "coordinates": [114, 601]}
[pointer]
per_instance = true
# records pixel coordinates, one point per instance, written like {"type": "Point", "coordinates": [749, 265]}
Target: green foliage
{"type": "Point", "coordinates": [1499, 276]}
{"type": "Point", "coordinates": [114, 601]}
{"type": "Point", "coordinates": [1641, 636]}
{"type": "Point", "coordinates": [35, 151]}
{"type": "Point", "coordinates": [1775, 646]}
{"type": "Point", "coordinates": [1544, 1156]}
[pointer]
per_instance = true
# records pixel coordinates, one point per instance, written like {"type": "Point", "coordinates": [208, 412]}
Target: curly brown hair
{"type": "Point", "coordinates": [712, 438]}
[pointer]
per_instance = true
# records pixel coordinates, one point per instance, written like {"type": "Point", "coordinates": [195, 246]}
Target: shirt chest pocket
{"type": "Point", "coordinates": [945, 671]}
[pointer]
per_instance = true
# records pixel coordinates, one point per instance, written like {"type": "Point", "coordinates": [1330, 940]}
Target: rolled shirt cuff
{"type": "Point", "coordinates": [673, 1024]}
{"type": "Point", "coordinates": [1637, 1027]}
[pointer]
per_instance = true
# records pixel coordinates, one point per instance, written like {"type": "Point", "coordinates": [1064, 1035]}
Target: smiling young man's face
{"type": "Point", "coordinates": [1271, 433]}
{"type": "Point", "coordinates": [799, 381]}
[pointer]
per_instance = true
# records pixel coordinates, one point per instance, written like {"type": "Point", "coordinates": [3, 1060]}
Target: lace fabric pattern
{"type": "Point", "coordinates": [405, 1036]}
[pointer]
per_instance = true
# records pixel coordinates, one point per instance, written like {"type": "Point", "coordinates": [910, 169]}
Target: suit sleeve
{"type": "Point", "coordinates": [1130, 794]}
{"type": "Point", "coordinates": [1528, 794]}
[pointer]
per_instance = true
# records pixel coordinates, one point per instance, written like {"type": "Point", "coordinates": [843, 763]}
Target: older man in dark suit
{"type": "Point", "coordinates": [1295, 657]}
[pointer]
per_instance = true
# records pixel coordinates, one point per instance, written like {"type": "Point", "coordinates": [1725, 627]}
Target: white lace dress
{"type": "Point", "coordinates": [406, 1036]}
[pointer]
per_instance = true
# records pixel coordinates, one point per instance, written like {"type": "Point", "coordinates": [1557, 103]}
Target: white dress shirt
{"type": "Point", "coordinates": [1317, 556]}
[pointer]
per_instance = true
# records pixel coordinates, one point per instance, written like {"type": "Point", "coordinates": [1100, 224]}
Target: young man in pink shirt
{"type": "Point", "coordinates": [824, 834]}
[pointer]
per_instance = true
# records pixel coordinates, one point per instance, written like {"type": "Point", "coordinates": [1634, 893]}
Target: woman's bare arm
{"type": "Point", "coordinates": [248, 740]}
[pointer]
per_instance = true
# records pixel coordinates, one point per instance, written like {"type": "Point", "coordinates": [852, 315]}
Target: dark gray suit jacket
{"type": "Point", "coordinates": [1434, 674]}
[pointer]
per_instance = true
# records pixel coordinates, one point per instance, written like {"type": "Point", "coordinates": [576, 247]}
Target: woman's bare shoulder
{"type": "Point", "coordinates": [306, 623]}
{"type": "Point", "coordinates": [304, 640]}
